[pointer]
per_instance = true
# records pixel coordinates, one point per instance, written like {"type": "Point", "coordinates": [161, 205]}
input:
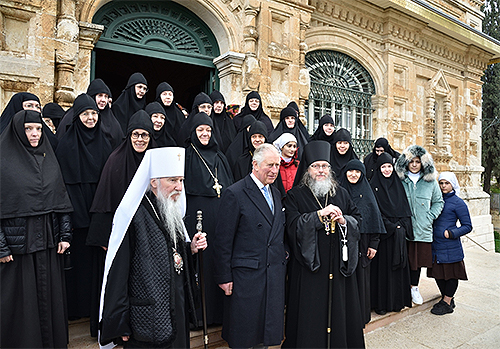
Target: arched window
{"type": "Point", "coordinates": [341, 87]}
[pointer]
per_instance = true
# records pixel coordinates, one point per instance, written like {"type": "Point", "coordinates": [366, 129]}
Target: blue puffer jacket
{"type": "Point", "coordinates": [450, 250]}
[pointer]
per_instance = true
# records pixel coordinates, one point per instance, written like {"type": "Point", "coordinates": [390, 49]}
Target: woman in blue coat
{"type": "Point", "coordinates": [447, 254]}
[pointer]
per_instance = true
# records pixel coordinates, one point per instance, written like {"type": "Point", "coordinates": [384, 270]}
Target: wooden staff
{"type": "Point", "coordinates": [199, 228]}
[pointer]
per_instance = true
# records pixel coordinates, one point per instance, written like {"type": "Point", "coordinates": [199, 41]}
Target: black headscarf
{"type": "Point", "coordinates": [198, 180]}
{"type": "Point", "coordinates": [258, 114]}
{"type": "Point", "coordinates": [339, 161]}
{"type": "Point", "coordinates": [128, 103]}
{"type": "Point", "coordinates": [53, 111]}
{"type": "Point", "coordinates": [185, 131]}
{"type": "Point", "coordinates": [362, 195]}
{"type": "Point", "coordinates": [31, 182]}
{"type": "Point", "coordinates": [243, 165]}
{"type": "Point", "coordinates": [174, 118]}
{"type": "Point", "coordinates": [161, 137]}
{"type": "Point", "coordinates": [16, 105]}
{"type": "Point", "coordinates": [239, 145]}
{"type": "Point", "coordinates": [223, 122]}
{"type": "Point", "coordinates": [319, 134]}
{"type": "Point", "coordinates": [121, 167]}
{"type": "Point", "coordinates": [298, 130]}
{"type": "Point", "coordinates": [389, 192]}
{"type": "Point", "coordinates": [313, 151]}
{"type": "Point", "coordinates": [370, 160]}
{"type": "Point", "coordinates": [83, 151]}
{"type": "Point", "coordinates": [109, 124]}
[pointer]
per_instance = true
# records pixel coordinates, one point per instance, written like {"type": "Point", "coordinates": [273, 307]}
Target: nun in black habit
{"type": "Point", "coordinates": [381, 146]}
{"type": "Point", "coordinates": [54, 112]}
{"type": "Point", "coordinates": [325, 130]}
{"type": "Point", "coordinates": [160, 132]}
{"type": "Point", "coordinates": [82, 153]}
{"type": "Point", "coordinates": [390, 270]}
{"type": "Point", "coordinates": [207, 175]}
{"type": "Point", "coordinates": [25, 101]}
{"type": "Point", "coordinates": [115, 179]}
{"type": "Point", "coordinates": [290, 123]}
{"type": "Point", "coordinates": [239, 145]}
{"type": "Point", "coordinates": [253, 105]}
{"type": "Point", "coordinates": [201, 104]}
{"type": "Point", "coordinates": [257, 135]}
{"type": "Point", "coordinates": [316, 301]}
{"type": "Point", "coordinates": [35, 231]}
{"type": "Point", "coordinates": [174, 118]}
{"type": "Point", "coordinates": [342, 151]}
{"type": "Point", "coordinates": [109, 124]}
{"type": "Point", "coordinates": [222, 121]}
{"type": "Point", "coordinates": [130, 100]}
{"type": "Point", "coordinates": [372, 226]}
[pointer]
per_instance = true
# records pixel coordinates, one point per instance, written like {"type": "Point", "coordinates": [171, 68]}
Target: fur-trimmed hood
{"type": "Point", "coordinates": [428, 170]}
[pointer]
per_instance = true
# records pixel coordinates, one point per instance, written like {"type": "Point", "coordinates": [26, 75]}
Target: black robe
{"type": "Point", "coordinates": [223, 122]}
{"type": "Point", "coordinates": [312, 253]}
{"type": "Point", "coordinates": [127, 103]}
{"type": "Point", "coordinates": [390, 270]}
{"type": "Point", "coordinates": [145, 297]}
{"type": "Point", "coordinates": [200, 195]}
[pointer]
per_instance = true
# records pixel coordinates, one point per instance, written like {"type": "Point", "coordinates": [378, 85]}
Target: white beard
{"type": "Point", "coordinates": [320, 188]}
{"type": "Point", "coordinates": [171, 215]}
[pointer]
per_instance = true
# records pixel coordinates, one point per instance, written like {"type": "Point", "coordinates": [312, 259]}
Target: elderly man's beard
{"type": "Point", "coordinates": [171, 215]}
{"type": "Point", "coordinates": [320, 188]}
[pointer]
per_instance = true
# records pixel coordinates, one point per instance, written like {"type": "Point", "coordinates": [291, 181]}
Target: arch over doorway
{"type": "Point", "coordinates": [163, 40]}
{"type": "Point", "coordinates": [343, 88]}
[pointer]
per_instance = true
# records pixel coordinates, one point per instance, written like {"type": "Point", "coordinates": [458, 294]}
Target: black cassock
{"type": "Point", "coordinates": [309, 301]}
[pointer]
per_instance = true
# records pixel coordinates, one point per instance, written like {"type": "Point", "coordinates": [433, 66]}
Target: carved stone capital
{"type": "Point", "coordinates": [89, 34]}
{"type": "Point", "coordinates": [229, 63]}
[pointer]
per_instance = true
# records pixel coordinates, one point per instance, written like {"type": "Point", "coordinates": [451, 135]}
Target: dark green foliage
{"type": "Point", "coordinates": [491, 101]}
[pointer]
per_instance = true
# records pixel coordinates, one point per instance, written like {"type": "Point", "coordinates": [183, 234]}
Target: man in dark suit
{"type": "Point", "coordinates": [250, 257]}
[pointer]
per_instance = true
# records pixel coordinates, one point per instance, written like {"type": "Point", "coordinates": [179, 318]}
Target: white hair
{"type": "Point", "coordinates": [260, 152]}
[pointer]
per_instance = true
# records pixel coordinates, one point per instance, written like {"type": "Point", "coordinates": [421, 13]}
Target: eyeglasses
{"type": "Point", "coordinates": [144, 135]}
{"type": "Point", "coordinates": [320, 167]}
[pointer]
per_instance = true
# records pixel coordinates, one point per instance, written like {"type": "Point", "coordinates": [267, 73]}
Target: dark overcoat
{"type": "Point", "coordinates": [250, 252]}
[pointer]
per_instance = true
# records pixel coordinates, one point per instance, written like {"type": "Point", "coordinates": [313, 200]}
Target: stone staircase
{"type": "Point", "coordinates": [80, 338]}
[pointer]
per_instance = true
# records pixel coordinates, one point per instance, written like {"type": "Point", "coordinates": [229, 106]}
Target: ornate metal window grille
{"type": "Point", "coordinates": [160, 29]}
{"type": "Point", "coordinates": [341, 87]}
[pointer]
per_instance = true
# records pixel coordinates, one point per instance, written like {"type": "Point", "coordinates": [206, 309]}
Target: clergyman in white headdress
{"type": "Point", "coordinates": [146, 292]}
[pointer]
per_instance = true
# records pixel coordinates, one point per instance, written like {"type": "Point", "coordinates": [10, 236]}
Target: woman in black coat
{"type": "Point", "coordinates": [35, 231]}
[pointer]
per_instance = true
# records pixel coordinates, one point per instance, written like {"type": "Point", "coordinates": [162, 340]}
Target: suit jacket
{"type": "Point", "coordinates": [249, 250]}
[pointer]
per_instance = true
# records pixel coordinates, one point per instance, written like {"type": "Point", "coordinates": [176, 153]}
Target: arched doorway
{"type": "Point", "coordinates": [163, 40]}
{"type": "Point", "coordinates": [341, 87]}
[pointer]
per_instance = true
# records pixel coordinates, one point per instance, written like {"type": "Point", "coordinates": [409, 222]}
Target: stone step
{"type": "Point", "coordinates": [80, 337]}
{"type": "Point", "coordinates": [430, 294]}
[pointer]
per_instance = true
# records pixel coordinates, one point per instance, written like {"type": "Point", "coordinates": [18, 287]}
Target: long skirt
{"type": "Point", "coordinates": [33, 301]}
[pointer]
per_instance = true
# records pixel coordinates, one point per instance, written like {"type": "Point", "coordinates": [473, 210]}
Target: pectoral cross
{"type": "Point", "coordinates": [327, 221]}
{"type": "Point", "coordinates": [179, 155]}
{"type": "Point", "coordinates": [217, 187]}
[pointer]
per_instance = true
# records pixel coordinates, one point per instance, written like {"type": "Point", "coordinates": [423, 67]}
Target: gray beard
{"type": "Point", "coordinates": [320, 188]}
{"type": "Point", "coordinates": [171, 216]}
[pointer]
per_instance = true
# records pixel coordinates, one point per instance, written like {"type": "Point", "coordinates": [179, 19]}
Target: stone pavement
{"type": "Point", "coordinates": [475, 323]}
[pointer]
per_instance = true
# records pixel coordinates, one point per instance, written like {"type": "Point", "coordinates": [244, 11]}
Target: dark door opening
{"type": "Point", "coordinates": [187, 80]}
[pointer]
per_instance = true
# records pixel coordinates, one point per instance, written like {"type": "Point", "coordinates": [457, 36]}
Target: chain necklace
{"type": "Point", "coordinates": [217, 187]}
{"type": "Point", "coordinates": [326, 220]}
{"type": "Point", "coordinates": [178, 262]}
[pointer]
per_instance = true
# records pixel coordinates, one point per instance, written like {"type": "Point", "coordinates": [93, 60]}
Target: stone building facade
{"type": "Point", "coordinates": [407, 70]}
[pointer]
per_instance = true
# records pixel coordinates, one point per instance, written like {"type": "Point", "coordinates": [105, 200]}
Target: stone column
{"type": "Point", "coordinates": [230, 68]}
{"type": "Point", "coordinates": [250, 37]}
{"type": "Point", "coordinates": [89, 34]}
{"type": "Point", "coordinates": [66, 53]}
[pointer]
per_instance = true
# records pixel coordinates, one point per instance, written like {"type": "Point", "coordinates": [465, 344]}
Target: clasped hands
{"type": "Point", "coordinates": [334, 212]}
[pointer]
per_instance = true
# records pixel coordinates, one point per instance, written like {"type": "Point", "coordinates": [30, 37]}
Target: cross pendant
{"type": "Point", "coordinates": [217, 187]}
{"type": "Point", "coordinates": [327, 226]}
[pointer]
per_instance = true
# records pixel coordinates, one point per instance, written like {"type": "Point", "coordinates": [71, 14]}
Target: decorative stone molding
{"type": "Point", "coordinates": [250, 32]}
{"type": "Point", "coordinates": [438, 145]}
{"type": "Point", "coordinates": [229, 63]}
{"type": "Point", "coordinates": [395, 27]}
